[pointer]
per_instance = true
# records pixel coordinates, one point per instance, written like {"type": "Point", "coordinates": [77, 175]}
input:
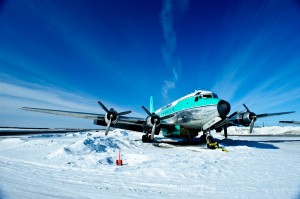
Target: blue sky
{"type": "Point", "coordinates": [65, 54]}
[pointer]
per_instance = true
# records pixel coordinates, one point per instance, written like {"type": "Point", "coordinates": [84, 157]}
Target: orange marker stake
{"type": "Point", "coordinates": [119, 162]}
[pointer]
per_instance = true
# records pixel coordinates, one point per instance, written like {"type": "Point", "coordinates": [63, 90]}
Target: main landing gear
{"type": "Point", "coordinates": [208, 138]}
{"type": "Point", "coordinates": [147, 138]}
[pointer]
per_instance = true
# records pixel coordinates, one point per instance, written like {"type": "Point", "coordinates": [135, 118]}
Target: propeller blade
{"type": "Point", "coordinates": [246, 107]}
{"type": "Point", "coordinates": [123, 113]}
{"type": "Point", "coordinates": [252, 124]}
{"type": "Point", "coordinates": [233, 114]}
{"type": "Point", "coordinates": [146, 110]}
{"type": "Point", "coordinates": [273, 114]}
{"type": "Point", "coordinates": [102, 105]}
{"type": "Point", "coordinates": [153, 130]}
{"type": "Point", "coordinates": [108, 126]}
{"type": "Point", "coordinates": [225, 132]}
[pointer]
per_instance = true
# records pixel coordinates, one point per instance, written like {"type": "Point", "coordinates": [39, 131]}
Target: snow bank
{"type": "Point", "coordinates": [93, 148]}
{"type": "Point", "coordinates": [273, 130]}
{"type": "Point", "coordinates": [10, 143]}
{"type": "Point", "coordinates": [95, 145]}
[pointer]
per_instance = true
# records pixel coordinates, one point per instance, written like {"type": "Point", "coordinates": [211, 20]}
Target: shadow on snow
{"type": "Point", "coordinates": [263, 144]}
{"type": "Point", "coordinates": [248, 143]}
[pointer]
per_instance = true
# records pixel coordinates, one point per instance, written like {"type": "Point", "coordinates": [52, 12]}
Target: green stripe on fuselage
{"type": "Point", "coordinates": [185, 104]}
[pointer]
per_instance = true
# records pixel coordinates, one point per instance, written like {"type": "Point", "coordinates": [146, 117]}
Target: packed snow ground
{"type": "Point", "coordinates": [82, 165]}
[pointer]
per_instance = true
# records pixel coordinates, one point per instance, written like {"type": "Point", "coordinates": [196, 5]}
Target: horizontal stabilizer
{"type": "Point", "coordinates": [290, 122]}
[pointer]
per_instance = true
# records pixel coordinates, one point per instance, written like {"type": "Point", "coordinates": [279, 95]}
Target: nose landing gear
{"type": "Point", "coordinates": [210, 142]}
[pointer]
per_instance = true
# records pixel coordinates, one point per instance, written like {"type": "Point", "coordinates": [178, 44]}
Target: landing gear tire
{"type": "Point", "coordinates": [209, 139]}
{"type": "Point", "coordinates": [146, 138]}
{"type": "Point", "coordinates": [202, 138]}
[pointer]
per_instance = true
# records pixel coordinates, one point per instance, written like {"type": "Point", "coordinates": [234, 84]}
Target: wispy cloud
{"type": "Point", "coordinates": [261, 77]}
{"type": "Point", "coordinates": [15, 94]}
{"type": "Point", "coordinates": [169, 46]}
{"type": "Point", "coordinates": [167, 86]}
{"type": "Point", "coordinates": [265, 97]}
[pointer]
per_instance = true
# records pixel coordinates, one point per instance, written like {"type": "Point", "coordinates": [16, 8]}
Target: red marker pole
{"type": "Point", "coordinates": [119, 162]}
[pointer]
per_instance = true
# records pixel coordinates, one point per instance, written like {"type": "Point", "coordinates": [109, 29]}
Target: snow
{"type": "Point", "coordinates": [272, 130]}
{"type": "Point", "coordinates": [82, 165]}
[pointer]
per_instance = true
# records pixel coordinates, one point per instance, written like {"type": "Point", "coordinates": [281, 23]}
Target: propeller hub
{"type": "Point", "coordinates": [155, 119]}
{"type": "Point", "coordinates": [111, 115]}
{"type": "Point", "coordinates": [252, 116]}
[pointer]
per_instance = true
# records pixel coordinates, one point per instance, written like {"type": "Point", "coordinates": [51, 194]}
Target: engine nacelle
{"type": "Point", "coordinates": [244, 118]}
{"type": "Point", "coordinates": [150, 120]}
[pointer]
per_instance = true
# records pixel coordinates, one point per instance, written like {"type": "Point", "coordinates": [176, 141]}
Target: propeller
{"type": "Point", "coordinates": [246, 108]}
{"type": "Point", "coordinates": [252, 117]}
{"type": "Point", "coordinates": [247, 118]}
{"type": "Point", "coordinates": [233, 114]}
{"type": "Point", "coordinates": [111, 116]}
{"type": "Point", "coordinates": [154, 120]}
{"type": "Point", "coordinates": [252, 123]}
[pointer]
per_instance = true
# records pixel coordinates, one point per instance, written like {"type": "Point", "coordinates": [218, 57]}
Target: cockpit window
{"type": "Point", "coordinates": [215, 95]}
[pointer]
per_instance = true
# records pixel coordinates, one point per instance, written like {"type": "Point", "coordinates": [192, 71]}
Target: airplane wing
{"type": "Point", "coordinates": [91, 116]}
{"type": "Point", "coordinates": [128, 123]}
{"type": "Point", "coordinates": [244, 118]}
{"type": "Point", "coordinates": [123, 122]}
{"type": "Point", "coordinates": [273, 114]}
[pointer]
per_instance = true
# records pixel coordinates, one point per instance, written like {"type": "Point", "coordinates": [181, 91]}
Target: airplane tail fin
{"type": "Point", "coordinates": [151, 105]}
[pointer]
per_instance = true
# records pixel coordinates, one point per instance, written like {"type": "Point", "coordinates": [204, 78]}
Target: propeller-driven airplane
{"type": "Point", "coordinates": [200, 111]}
{"type": "Point", "coordinates": [290, 122]}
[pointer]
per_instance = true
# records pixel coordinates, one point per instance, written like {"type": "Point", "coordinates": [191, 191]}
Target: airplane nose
{"type": "Point", "coordinates": [223, 108]}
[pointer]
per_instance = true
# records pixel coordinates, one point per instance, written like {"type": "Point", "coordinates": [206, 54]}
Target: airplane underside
{"type": "Point", "coordinates": [188, 124]}
{"type": "Point", "coordinates": [194, 118]}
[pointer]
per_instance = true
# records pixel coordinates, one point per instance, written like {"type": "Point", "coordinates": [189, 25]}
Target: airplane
{"type": "Point", "coordinates": [290, 122]}
{"type": "Point", "coordinates": [199, 111]}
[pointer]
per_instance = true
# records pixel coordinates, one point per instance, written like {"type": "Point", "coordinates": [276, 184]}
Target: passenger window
{"type": "Point", "coordinates": [196, 99]}
{"type": "Point", "coordinates": [206, 96]}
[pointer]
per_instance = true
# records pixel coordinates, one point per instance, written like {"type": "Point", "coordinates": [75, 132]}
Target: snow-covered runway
{"type": "Point", "coordinates": [82, 165]}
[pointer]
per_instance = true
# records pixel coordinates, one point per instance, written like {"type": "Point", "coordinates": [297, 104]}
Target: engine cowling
{"type": "Point", "coordinates": [245, 118]}
{"type": "Point", "coordinates": [150, 120]}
